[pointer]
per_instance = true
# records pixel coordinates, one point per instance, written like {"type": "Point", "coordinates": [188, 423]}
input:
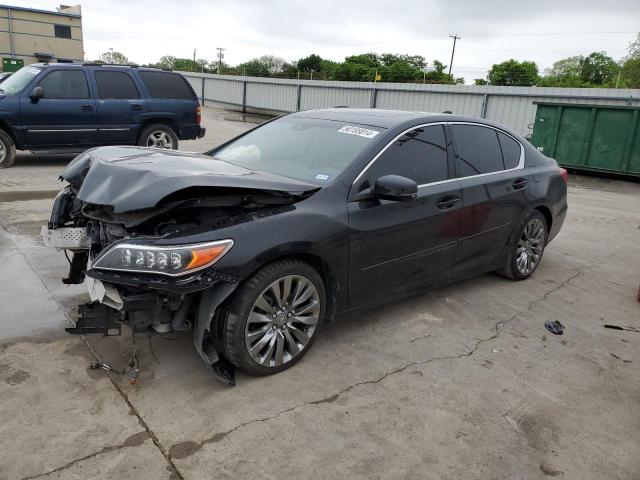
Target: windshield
{"type": "Point", "coordinates": [16, 82]}
{"type": "Point", "coordinates": [315, 151]}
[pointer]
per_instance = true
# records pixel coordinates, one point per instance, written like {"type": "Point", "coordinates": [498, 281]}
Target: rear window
{"type": "Point", "coordinates": [478, 150]}
{"type": "Point", "coordinates": [116, 85]}
{"type": "Point", "coordinates": [167, 85]}
{"type": "Point", "coordinates": [510, 151]}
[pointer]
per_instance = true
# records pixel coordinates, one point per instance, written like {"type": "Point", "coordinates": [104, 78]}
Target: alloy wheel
{"type": "Point", "coordinates": [3, 152]}
{"type": "Point", "coordinates": [159, 139]}
{"type": "Point", "coordinates": [282, 320]}
{"type": "Point", "coordinates": [530, 246]}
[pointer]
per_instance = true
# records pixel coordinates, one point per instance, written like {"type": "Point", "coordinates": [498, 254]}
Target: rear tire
{"type": "Point", "coordinates": [525, 252]}
{"type": "Point", "coordinates": [274, 317]}
{"type": "Point", "coordinates": [158, 135]}
{"type": "Point", "coordinates": [7, 150]}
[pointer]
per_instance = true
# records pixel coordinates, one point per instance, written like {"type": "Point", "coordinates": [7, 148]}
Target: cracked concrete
{"type": "Point", "coordinates": [461, 382]}
{"type": "Point", "coordinates": [185, 449]}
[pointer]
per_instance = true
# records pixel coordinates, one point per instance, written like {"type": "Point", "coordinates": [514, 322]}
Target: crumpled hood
{"type": "Point", "coordinates": [133, 178]}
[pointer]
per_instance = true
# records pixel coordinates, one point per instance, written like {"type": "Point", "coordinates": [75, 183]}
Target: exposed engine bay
{"type": "Point", "coordinates": [135, 268]}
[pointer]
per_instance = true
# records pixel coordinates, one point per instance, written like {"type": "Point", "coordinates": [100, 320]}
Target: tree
{"type": "Point", "coordinates": [312, 63]}
{"type": "Point", "coordinates": [598, 69]}
{"type": "Point", "coordinates": [254, 68]}
{"type": "Point", "coordinates": [630, 73]}
{"type": "Point", "coordinates": [634, 48]}
{"type": "Point", "coordinates": [480, 81]}
{"type": "Point", "coordinates": [114, 57]}
{"type": "Point", "coordinates": [514, 73]}
{"type": "Point", "coordinates": [563, 73]}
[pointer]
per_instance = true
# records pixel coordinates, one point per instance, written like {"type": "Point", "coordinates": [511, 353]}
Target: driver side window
{"type": "Point", "coordinates": [420, 154]}
{"type": "Point", "coordinates": [65, 84]}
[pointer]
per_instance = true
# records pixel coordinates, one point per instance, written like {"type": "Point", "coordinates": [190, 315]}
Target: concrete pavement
{"type": "Point", "coordinates": [461, 382]}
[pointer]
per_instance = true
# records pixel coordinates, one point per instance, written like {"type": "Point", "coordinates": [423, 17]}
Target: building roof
{"type": "Point", "coordinates": [35, 10]}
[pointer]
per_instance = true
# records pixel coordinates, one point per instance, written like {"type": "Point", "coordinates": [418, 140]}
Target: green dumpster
{"type": "Point", "coordinates": [12, 64]}
{"type": "Point", "coordinates": [589, 137]}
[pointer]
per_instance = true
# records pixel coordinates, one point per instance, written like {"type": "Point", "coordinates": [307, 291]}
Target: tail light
{"type": "Point", "coordinates": [198, 114]}
{"type": "Point", "coordinates": [564, 174]}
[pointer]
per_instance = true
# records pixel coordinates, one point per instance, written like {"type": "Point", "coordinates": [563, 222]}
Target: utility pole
{"type": "Point", "coordinates": [220, 57]}
{"type": "Point", "coordinates": [194, 58]}
{"type": "Point", "coordinates": [453, 51]}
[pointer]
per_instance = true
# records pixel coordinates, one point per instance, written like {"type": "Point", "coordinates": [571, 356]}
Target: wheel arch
{"type": "Point", "coordinates": [316, 262]}
{"type": "Point", "coordinates": [171, 123]}
{"type": "Point", "coordinates": [9, 131]}
{"type": "Point", "coordinates": [546, 213]}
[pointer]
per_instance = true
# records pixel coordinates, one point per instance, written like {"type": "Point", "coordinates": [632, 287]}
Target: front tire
{"type": "Point", "coordinates": [525, 253]}
{"type": "Point", "coordinates": [274, 317]}
{"type": "Point", "coordinates": [158, 135]}
{"type": "Point", "coordinates": [7, 150]}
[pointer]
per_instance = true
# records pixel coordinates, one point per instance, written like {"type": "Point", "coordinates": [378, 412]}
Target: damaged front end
{"type": "Point", "coordinates": [138, 265]}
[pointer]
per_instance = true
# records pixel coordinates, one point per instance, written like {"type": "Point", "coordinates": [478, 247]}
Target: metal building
{"type": "Point", "coordinates": [511, 106]}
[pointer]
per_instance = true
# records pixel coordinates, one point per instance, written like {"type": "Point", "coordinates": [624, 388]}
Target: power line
{"type": "Point", "coordinates": [476, 34]}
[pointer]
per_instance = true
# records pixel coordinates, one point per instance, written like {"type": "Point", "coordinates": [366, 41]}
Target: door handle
{"type": "Point", "coordinates": [136, 106]}
{"type": "Point", "coordinates": [445, 203]}
{"type": "Point", "coordinates": [519, 183]}
{"type": "Point", "coordinates": [86, 107]}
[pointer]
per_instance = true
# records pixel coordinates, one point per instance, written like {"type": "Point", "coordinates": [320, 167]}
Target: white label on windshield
{"type": "Point", "coordinates": [322, 176]}
{"type": "Point", "coordinates": [361, 132]}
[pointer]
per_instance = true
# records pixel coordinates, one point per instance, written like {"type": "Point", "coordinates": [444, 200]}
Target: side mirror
{"type": "Point", "coordinates": [395, 187]}
{"type": "Point", "coordinates": [36, 94]}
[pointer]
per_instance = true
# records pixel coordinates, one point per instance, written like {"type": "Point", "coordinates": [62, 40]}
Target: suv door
{"type": "Point", "coordinates": [65, 115]}
{"type": "Point", "coordinates": [397, 245]}
{"type": "Point", "coordinates": [120, 107]}
{"type": "Point", "coordinates": [490, 167]}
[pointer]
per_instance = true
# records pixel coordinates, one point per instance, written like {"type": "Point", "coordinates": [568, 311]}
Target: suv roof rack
{"type": "Point", "coordinates": [101, 64]}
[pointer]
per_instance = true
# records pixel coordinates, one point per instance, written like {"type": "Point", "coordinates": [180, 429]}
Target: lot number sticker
{"type": "Point", "coordinates": [361, 132]}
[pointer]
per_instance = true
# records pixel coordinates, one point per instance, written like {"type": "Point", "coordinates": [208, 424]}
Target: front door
{"type": "Point", "coordinates": [120, 107]}
{"type": "Point", "coordinates": [489, 165]}
{"type": "Point", "coordinates": [397, 245]}
{"type": "Point", "coordinates": [65, 116]}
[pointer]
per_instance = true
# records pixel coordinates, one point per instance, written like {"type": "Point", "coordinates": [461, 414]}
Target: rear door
{"type": "Point", "coordinates": [120, 107]}
{"type": "Point", "coordinates": [490, 167]}
{"type": "Point", "coordinates": [171, 96]}
{"type": "Point", "coordinates": [65, 116]}
{"type": "Point", "coordinates": [397, 245]}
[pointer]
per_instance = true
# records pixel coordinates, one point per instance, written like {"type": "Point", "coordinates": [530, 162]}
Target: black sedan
{"type": "Point", "coordinates": [304, 218]}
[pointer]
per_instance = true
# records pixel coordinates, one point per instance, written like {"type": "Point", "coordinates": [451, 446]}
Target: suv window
{"type": "Point", "coordinates": [118, 85]}
{"type": "Point", "coordinates": [65, 84]}
{"type": "Point", "coordinates": [420, 155]}
{"type": "Point", "coordinates": [167, 85]}
{"type": "Point", "coordinates": [478, 150]}
{"type": "Point", "coordinates": [510, 150]}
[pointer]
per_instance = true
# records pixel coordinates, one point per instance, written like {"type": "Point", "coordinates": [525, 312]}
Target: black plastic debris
{"type": "Point", "coordinates": [627, 328]}
{"type": "Point", "coordinates": [554, 327]}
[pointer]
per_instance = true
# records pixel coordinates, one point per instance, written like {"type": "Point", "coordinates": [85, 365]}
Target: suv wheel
{"type": "Point", "coordinates": [7, 150]}
{"type": "Point", "coordinates": [158, 135]}
{"type": "Point", "coordinates": [525, 253]}
{"type": "Point", "coordinates": [274, 317]}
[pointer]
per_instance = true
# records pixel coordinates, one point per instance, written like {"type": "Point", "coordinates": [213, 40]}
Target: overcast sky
{"type": "Point", "coordinates": [491, 30]}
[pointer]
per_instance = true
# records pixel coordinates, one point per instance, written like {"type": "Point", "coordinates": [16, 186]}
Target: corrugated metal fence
{"type": "Point", "coordinates": [511, 106]}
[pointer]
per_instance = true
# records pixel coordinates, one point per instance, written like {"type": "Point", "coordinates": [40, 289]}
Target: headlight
{"type": "Point", "coordinates": [170, 260]}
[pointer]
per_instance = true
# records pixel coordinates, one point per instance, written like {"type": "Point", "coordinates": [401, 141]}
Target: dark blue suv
{"type": "Point", "coordinates": [48, 107]}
